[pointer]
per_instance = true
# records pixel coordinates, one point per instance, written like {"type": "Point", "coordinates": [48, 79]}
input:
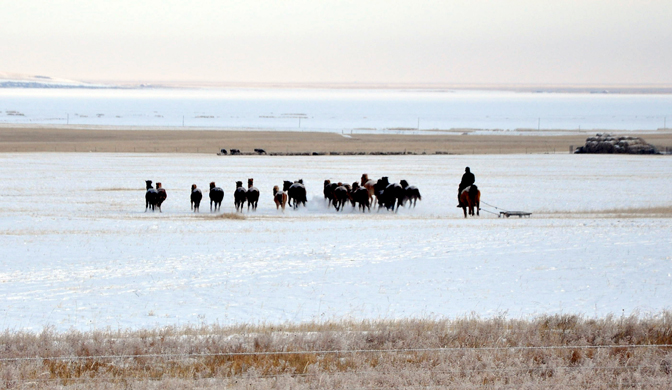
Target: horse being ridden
{"type": "Point", "coordinates": [252, 195]}
{"type": "Point", "coordinates": [151, 196]}
{"type": "Point", "coordinates": [216, 196]}
{"type": "Point", "coordinates": [239, 196]}
{"type": "Point", "coordinates": [196, 196]}
{"type": "Point", "coordinates": [467, 179]}
{"type": "Point", "coordinates": [470, 197]}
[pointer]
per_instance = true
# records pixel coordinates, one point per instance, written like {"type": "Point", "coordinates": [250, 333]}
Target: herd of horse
{"type": "Point", "coordinates": [363, 195]}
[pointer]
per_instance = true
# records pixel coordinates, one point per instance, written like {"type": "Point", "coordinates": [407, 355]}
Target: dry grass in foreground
{"type": "Point", "coordinates": [549, 352]}
{"type": "Point", "coordinates": [221, 216]}
{"type": "Point", "coordinates": [631, 212]}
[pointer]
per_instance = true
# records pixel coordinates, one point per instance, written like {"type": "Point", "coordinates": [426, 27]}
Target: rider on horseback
{"type": "Point", "coordinates": [467, 179]}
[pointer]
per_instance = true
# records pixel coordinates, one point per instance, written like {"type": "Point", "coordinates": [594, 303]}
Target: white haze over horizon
{"type": "Point", "coordinates": [300, 41]}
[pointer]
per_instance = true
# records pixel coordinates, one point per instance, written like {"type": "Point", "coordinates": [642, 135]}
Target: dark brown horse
{"type": "Point", "coordinates": [360, 196]}
{"type": "Point", "coordinates": [329, 188]}
{"type": "Point", "coordinates": [340, 196]}
{"type": "Point", "coordinates": [196, 196]}
{"type": "Point", "coordinates": [252, 195]}
{"type": "Point", "coordinates": [470, 197]}
{"type": "Point", "coordinates": [162, 196]}
{"type": "Point", "coordinates": [239, 196]}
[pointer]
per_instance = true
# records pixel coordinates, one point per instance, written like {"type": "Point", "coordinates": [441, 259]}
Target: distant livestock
{"type": "Point", "coordinates": [216, 196]}
{"type": "Point", "coordinates": [196, 196]}
{"type": "Point", "coordinates": [260, 151]}
{"type": "Point", "coordinates": [151, 196]}
{"type": "Point", "coordinates": [234, 152]}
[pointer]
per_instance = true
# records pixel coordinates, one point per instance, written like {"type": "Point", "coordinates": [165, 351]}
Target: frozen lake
{"type": "Point", "coordinates": [336, 110]}
{"type": "Point", "coordinates": [78, 250]}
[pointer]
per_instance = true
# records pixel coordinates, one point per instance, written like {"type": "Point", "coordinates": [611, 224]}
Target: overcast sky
{"type": "Point", "coordinates": [368, 41]}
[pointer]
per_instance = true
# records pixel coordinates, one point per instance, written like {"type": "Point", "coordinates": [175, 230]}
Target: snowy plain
{"type": "Point", "coordinates": [78, 250]}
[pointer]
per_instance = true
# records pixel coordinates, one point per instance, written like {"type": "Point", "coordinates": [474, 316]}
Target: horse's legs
{"type": "Point", "coordinates": [464, 208]}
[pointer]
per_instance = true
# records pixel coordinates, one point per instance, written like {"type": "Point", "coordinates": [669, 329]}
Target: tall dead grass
{"type": "Point", "coordinates": [549, 352]}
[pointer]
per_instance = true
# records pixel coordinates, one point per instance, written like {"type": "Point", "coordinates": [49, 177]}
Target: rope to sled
{"type": "Point", "coordinates": [497, 208]}
{"type": "Point", "coordinates": [488, 211]}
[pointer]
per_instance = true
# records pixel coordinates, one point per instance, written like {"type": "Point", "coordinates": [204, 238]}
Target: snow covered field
{"type": "Point", "coordinates": [78, 250]}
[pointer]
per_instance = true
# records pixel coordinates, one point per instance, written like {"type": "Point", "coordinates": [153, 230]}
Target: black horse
{"type": "Point", "coordinates": [252, 195]}
{"type": "Point", "coordinates": [196, 196]}
{"type": "Point", "coordinates": [340, 197]}
{"type": "Point", "coordinates": [216, 196]}
{"type": "Point", "coordinates": [389, 195]}
{"type": "Point", "coordinates": [151, 196]}
{"type": "Point", "coordinates": [411, 193]}
{"type": "Point", "coordinates": [295, 191]}
{"type": "Point", "coordinates": [361, 196]}
{"type": "Point", "coordinates": [239, 196]}
{"type": "Point", "coordinates": [379, 189]}
{"type": "Point", "coordinates": [393, 196]}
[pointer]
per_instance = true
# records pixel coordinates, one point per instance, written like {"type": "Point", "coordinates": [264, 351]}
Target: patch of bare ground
{"type": "Point", "coordinates": [548, 352]}
{"type": "Point", "coordinates": [139, 140]}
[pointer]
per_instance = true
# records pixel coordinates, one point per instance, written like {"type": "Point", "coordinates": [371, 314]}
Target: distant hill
{"type": "Point", "coordinates": [16, 80]}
